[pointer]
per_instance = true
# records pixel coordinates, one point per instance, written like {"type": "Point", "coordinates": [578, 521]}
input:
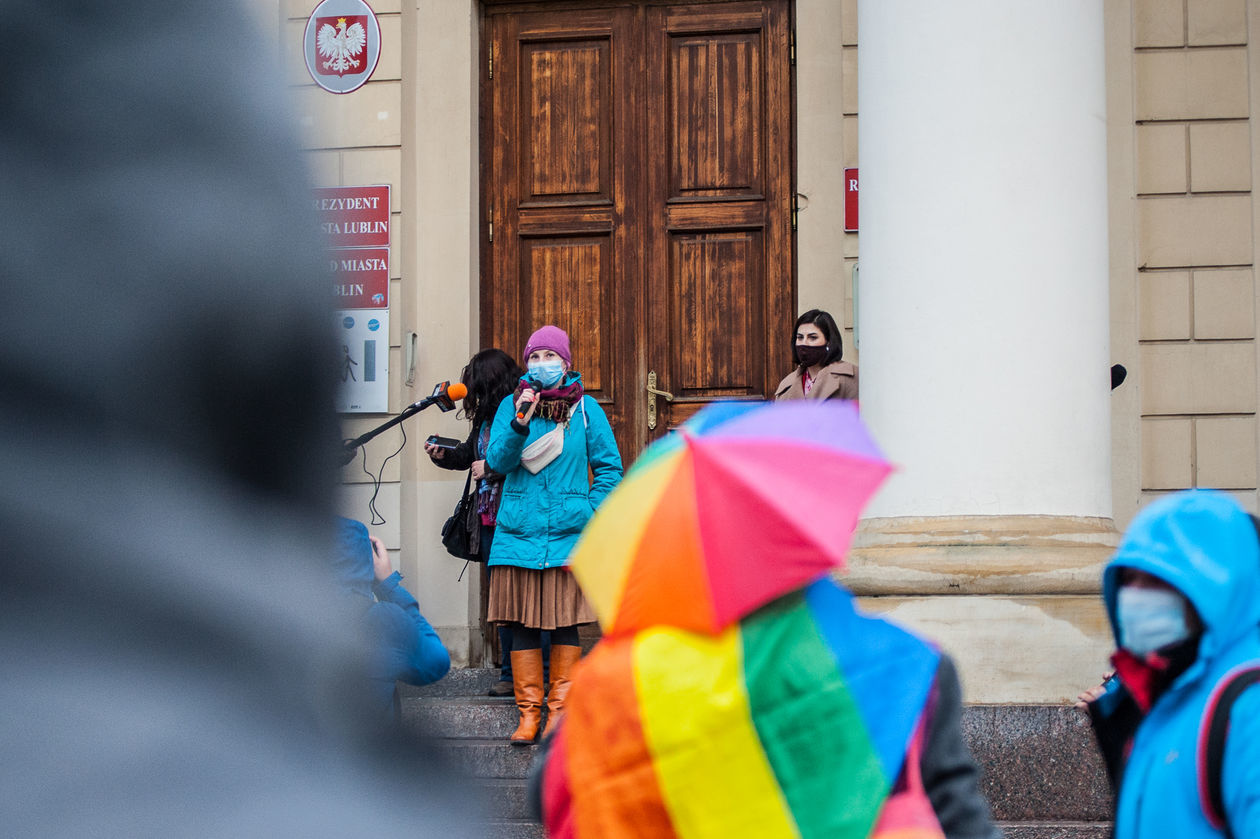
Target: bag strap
{"type": "Point", "coordinates": [914, 756]}
{"type": "Point", "coordinates": [1212, 736]}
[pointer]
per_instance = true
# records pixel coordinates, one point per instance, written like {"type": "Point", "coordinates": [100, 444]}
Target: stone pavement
{"type": "Point", "coordinates": [1041, 774]}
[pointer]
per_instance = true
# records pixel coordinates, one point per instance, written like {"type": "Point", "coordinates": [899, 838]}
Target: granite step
{"type": "Point", "coordinates": [518, 829]}
{"type": "Point", "coordinates": [504, 797]}
{"type": "Point", "coordinates": [478, 758]}
{"type": "Point", "coordinates": [480, 717]}
{"type": "Point", "coordinates": [1055, 830]}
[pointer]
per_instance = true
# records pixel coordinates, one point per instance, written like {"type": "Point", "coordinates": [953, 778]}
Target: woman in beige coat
{"type": "Point", "coordinates": [816, 351]}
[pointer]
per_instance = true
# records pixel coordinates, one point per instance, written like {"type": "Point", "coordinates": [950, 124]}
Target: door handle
{"type": "Point", "coordinates": [652, 393]}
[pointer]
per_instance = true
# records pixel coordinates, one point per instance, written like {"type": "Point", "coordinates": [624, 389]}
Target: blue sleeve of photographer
{"type": "Point", "coordinates": [408, 648]}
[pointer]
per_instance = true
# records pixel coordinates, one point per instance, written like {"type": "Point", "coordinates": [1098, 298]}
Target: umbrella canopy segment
{"type": "Point", "coordinates": [728, 514]}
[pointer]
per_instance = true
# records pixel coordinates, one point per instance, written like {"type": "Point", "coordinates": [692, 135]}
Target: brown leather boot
{"type": "Point", "coordinates": [563, 659]}
{"type": "Point", "coordinates": [527, 684]}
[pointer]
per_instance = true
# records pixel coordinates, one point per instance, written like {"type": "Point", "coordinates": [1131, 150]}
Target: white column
{"type": "Point", "coordinates": [984, 281]}
{"type": "Point", "coordinates": [984, 327]}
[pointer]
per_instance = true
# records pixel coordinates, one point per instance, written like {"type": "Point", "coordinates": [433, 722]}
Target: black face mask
{"type": "Point", "coordinates": [809, 356]}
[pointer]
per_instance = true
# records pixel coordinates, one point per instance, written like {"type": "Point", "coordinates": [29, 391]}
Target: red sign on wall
{"type": "Point", "coordinates": [360, 277]}
{"type": "Point", "coordinates": [850, 200]}
{"type": "Point", "coordinates": [354, 216]}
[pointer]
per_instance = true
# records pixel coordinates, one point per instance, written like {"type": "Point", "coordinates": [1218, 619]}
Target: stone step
{"type": "Point", "coordinates": [1055, 830]}
{"type": "Point", "coordinates": [504, 798]}
{"type": "Point", "coordinates": [480, 758]}
{"type": "Point", "coordinates": [512, 829]}
{"type": "Point", "coordinates": [467, 682]}
{"type": "Point", "coordinates": [506, 804]}
{"type": "Point", "coordinates": [481, 717]}
{"type": "Point", "coordinates": [1040, 770]}
{"type": "Point", "coordinates": [509, 828]}
{"type": "Point", "coordinates": [1038, 763]}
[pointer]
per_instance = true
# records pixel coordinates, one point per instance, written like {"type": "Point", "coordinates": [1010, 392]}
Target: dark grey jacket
{"type": "Point", "coordinates": [172, 665]}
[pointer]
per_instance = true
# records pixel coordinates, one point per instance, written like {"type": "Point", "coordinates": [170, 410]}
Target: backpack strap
{"type": "Point", "coordinates": [1213, 732]}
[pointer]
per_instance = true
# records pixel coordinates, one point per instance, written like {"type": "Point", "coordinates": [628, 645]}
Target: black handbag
{"type": "Point", "coordinates": [458, 533]}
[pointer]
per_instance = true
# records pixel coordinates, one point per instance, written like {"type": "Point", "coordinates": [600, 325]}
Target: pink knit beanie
{"type": "Point", "coordinates": [549, 338]}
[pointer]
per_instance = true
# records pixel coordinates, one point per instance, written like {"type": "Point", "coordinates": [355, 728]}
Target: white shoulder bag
{"type": "Point", "coordinates": [538, 454]}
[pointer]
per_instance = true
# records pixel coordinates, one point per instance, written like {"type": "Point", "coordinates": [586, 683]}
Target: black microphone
{"type": "Point", "coordinates": [444, 395]}
{"type": "Point", "coordinates": [534, 385]}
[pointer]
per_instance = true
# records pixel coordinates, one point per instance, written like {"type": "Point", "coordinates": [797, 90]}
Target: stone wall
{"type": "Point", "coordinates": [1195, 234]}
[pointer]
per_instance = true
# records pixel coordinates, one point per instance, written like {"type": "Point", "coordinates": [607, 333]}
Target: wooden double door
{"type": "Point", "coordinates": [637, 187]}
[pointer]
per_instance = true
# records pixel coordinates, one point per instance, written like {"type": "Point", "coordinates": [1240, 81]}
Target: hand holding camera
{"type": "Point", "coordinates": [381, 566]}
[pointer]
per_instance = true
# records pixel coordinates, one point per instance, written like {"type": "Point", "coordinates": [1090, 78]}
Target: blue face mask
{"type": "Point", "coordinates": [546, 373]}
{"type": "Point", "coordinates": [1150, 618]}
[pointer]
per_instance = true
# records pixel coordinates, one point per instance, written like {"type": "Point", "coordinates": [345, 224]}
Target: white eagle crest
{"type": "Point", "coordinates": [340, 45]}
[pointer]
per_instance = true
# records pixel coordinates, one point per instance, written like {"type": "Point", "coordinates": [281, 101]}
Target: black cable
{"type": "Point", "coordinates": [376, 479]}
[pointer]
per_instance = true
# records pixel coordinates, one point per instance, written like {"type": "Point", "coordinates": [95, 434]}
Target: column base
{"type": "Point", "coordinates": [1014, 599]}
{"type": "Point", "coordinates": [980, 555]}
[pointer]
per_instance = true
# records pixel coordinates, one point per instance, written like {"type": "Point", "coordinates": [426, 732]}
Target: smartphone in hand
{"type": "Point", "coordinates": [442, 442]}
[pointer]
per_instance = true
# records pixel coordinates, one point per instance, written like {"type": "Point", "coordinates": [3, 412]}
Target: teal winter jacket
{"type": "Point", "coordinates": [1203, 544]}
{"type": "Point", "coordinates": [541, 515]}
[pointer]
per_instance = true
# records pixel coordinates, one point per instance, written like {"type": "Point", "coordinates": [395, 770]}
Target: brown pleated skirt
{"type": "Point", "coordinates": [547, 599]}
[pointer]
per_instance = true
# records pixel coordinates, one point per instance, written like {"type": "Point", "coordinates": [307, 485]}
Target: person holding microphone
{"type": "Point", "coordinates": [545, 440]}
{"type": "Point", "coordinates": [490, 376]}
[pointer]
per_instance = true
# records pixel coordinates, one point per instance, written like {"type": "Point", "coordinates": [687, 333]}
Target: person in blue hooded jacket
{"type": "Point", "coordinates": [401, 644]}
{"type": "Point", "coordinates": [555, 449]}
{"type": "Point", "coordinates": [1183, 596]}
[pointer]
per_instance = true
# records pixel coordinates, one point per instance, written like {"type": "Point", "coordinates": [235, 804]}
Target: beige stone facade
{"type": "Point", "coordinates": [1194, 232]}
{"type": "Point", "coordinates": [1182, 88]}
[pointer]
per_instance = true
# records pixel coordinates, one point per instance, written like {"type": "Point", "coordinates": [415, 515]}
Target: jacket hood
{"type": "Point", "coordinates": [1204, 544]}
{"type": "Point", "coordinates": [352, 558]}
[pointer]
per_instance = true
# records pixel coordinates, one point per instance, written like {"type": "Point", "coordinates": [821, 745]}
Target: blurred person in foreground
{"type": "Point", "coordinates": [1183, 596]}
{"type": "Point", "coordinates": [402, 645]}
{"type": "Point", "coordinates": [173, 663]}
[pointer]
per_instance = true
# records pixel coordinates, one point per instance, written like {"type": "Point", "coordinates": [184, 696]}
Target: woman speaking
{"type": "Point", "coordinates": [547, 438]}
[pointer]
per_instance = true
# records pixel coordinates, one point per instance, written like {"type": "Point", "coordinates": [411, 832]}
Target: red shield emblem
{"type": "Point", "coordinates": [341, 45]}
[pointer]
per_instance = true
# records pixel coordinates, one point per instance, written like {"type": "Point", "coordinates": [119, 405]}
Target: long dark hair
{"type": "Point", "coordinates": [827, 325]}
{"type": "Point", "coordinates": [490, 375]}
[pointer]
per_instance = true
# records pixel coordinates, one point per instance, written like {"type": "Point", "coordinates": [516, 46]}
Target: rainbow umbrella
{"type": "Point", "coordinates": [744, 503]}
{"type": "Point", "coordinates": [794, 722]}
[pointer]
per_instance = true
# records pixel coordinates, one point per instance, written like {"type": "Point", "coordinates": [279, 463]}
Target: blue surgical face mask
{"type": "Point", "coordinates": [1150, 618]}
{"type": "Point", "coordinates": [546, 373]}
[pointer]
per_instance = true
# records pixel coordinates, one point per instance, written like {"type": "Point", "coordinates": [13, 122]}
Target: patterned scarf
{"type": "Point", "coordinates": [554, 403]}
{"type": "Point", "coordinates": [490, 487]}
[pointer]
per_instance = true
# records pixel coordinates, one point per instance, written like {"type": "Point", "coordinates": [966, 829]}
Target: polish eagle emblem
{"type": "Point", "coordinates": [339, 46]}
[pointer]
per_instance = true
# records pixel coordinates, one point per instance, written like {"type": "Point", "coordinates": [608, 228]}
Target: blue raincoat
{"type": "Point", "coordinates": [541, 515]}
{"type": "Point", "coordinates": [400, 643]}
{"type": "Point", "coordinates": [1203, 544]}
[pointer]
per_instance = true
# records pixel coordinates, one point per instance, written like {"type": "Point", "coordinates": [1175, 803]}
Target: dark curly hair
{"type": "Point", "coordinates": [490, 375]}
{"type": "Point", "coordinates": [827, 325]}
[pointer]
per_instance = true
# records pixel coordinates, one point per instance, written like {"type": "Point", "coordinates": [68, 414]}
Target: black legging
{"type": "Point", "coordinates": [525, 638]}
